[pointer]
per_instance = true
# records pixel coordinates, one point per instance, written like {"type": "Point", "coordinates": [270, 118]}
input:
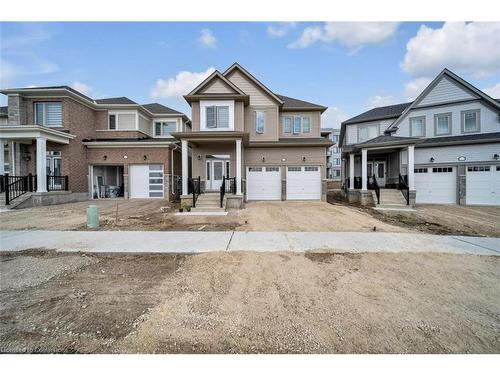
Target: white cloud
{"type": "Point", "coordinates": [493, 91]}
{"type": "Point", "coordinates": [415, 87]}
{"type": "Point", "coordinates": [181, 84]}
{"type": "Point", "coordinates": [466, 48]}
{"type": "Point", "coordinates": [380, 101]}
{"type": "Point", "coordinates": [333, 117]}
{"type": "Point", "coordinates": [280, 29]}
{"type": "Point", "coordinates": [207, 39]}
{"type": "Point", "coordinates": [353, 35]}
{"type": "Point", "coordinates": [82, 87]}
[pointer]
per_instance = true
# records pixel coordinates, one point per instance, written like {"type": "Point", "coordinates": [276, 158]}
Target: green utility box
{"type": "Point", "coordinates": [93, 217]}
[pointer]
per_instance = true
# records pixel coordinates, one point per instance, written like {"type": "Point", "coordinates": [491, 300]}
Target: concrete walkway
{"type": "Point", "coordinates": [197, 242]}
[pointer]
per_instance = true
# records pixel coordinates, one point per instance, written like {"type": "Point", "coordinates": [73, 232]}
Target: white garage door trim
{"type": "Point", "coordinates": [146, 181]}
{"type": "Point", "coordinates": [303, 182]}
{"type": "Point", "coordinates": [436, 185]}
{"type": "Point", "coordinates": [263, 183]}
{"type": "Point", "coordinates": [482, 185]}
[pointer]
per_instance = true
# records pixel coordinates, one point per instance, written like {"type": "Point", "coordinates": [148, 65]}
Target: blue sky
{"type": "Point", "coordinates": [349, 67]}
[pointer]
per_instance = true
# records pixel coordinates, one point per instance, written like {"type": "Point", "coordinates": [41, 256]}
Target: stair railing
{"type": "Point", "coordinates": [194, 188]}
{"type": "Point", "coordinates": [404, 188]}
{"type": "Point", "coordinates": [373, 185]}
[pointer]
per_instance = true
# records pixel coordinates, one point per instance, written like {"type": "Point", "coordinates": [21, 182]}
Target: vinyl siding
{"type": "Point", "coordinates": [145, 125]}
{"type": "Point", "coordinates": [217, 86]}
{"type": "Point", "coordinates": [450, 154]}
{"type": "Point", "coordinates": [352, 134]}
{"type": "Point", "coordinates": [315, 125]}
{"type": "Point", "coordinates": [271, 128]}
{"type": "Point", "coordinates": [445, 91]}
{"type": "Point", "coordinates": [258, 97]}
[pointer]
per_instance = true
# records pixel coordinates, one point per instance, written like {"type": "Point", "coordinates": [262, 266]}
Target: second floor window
{"type": "Point", "coordinates": [442, 124]}
{"type": "Point", "coordinates": [48, 114]}
{"type": "Point", "coordinates": [470, 121]}
{"type": "Point", "coordinates": [287, 124]}
{"type": "Point", "coordinates": [163, 129]}
{"type": "Point", "coordinates": [367, 132]}
{"type": "Point", "coordinates": [417, 126]}
{"type": "Point", "coordinates": [260, 122]}
{"type": "Point", "coordinates": [296, 124]}
{"type": "Point", "coordinates": [217, 116]}
{"type": "Point", "coordinates": [112, 122]}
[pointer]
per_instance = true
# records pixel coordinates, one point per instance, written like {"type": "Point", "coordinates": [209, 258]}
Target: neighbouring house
{"type": "Point", "coordinates": [333, 154]}
{"type": "Point", "coordinates": [59, 145]}
{"type": "Point", "coordinates": [442, 148]}
{"type": "Point", "coordinates": [249, 143]}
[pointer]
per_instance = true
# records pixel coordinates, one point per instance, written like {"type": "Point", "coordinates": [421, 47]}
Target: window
{"type": "Point", "coordinates": [48, 114]}
{"type": "Point", "coordinates": [260, 120]}
{"type": "Point", "coordinates": [442, 124]}
{"type": "Point", "coordinates": [217, 116]}
{"type": "Point", "coordinates": [442, 170]}
{"type": "Point", "coordinates": [254, 169]}
{"type": "Point", "coordinates": [112, 122]}
{"type": "Point", "coordinates": [470, 121]}
{"type": "Point", "coordinates": [297, 125]}
{"type": "Point", "coordinates": [417, 126]}
{"type": "Point", "coordinates": [272, 169]}
{"type": "Point", "coordinates": [165, 128]}
{"type": "Point", "coordinates": [335, 138]}
{"type": "Point", "coordinates": [287, 124]}
{"type": "Point", "coordinates": [336, 161]}
{"type": "Point", "coordinates": [311, 169]}
{"type": "Point", "coordinates": [367, 132]}
{"type": "Point", "coordinates": [336, 173]}
{"type": "Point", "coordinates": [420, 170]}
{"type": "Point", "coordinates": [156, 181]}
{"type": "Point", "coordinates": [306, 125]}
{"type": "Point", "coordinates": [294, 169]}
{"type": "Point", "coordinates": [479, 168]}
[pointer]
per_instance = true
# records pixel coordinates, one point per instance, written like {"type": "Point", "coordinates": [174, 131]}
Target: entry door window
{"type": "Point", "coordinates": [218, 170]}
{"type": "Point", "coordinates": [370, 169]}
{"type": "Point", "coordinates": [53, 167]}
{"type": "Point", "coordinates": [380, 170]}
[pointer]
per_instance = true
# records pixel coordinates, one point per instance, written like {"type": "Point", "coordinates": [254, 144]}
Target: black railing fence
{"type": "Point", "coordinates": [194, 188]}
{"type": "Point", "coordinates": [403, 186]}
{"type": "Point", "coordinates": [372, 184]}
{"type": "Point", "coordinates": [57, 183]}
{"type": "Point", "coordinates": [228, 186]}
{"type": "Point", "coordinates": [15, 186]}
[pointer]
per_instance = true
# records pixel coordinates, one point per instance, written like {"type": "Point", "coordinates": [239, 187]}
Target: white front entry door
{"type": "Point", "coordinates": [483, 185]}
{"type": "Point", "coordinates": [377, 168]}
{"type": "Point", "coordinates": [146, 181]}
{"type": "Point", "coordinates": [436, 185]}
{"type": "Point", "coordinates": [263, 183]}
{"type": "Point", "coordinates": [303, 183]}
{"type": "Point", "coordinates": [216, 169]}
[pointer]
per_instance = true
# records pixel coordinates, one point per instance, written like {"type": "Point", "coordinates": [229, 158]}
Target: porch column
{"type": "Point", "coordinates": [411, 164]}
{"type": "Point", "coordinates": [238, 166]}
{"type": "Point", "coordinates": [2, 161]}
{"type": "Point", "coordinates": [184, 167]}
{"type": "Point", "coordinates": [351, 171]}
{"type": "Point", "coordinates": [364, 168]}
{"type": "Point", "coordinates": [41, 165]}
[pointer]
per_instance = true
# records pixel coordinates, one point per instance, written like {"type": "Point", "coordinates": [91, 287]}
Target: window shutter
{"type": "Point", "coordinates": [210, 117]}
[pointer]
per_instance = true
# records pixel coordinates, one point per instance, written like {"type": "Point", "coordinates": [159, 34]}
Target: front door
{"type": "Point", "coordinates": [377, 168]}
{"type": "Point", "coordinates": [216, 169]}
{"type": "Point", "coordinates": [54, 169]}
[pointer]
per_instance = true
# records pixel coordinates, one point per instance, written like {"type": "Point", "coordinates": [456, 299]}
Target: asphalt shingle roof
{"type": "Point", "coordinates": [118, 100]}
{"type": "Point", "coordinates": [387, 139]}
{"type": "Point", "coordinates": [459, 138]}
{"type": "Point", "coordinates": [389, 111]}
{"type": "Point", "coordinates": [160, 109]}
{"type": "Point", "coordinates": [292, 103]}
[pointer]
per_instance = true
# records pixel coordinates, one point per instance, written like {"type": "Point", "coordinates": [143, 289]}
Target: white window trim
{"type": "Point", "coordinates": [218, 103]}
{"type": "Point", "coordinates": [178, 127]}
{"type": "Point", "coordinates": [423, 126]}
{"type": "Point", "coordinates": [283, 124]}
{"type": "Point", "coordinates": [116, 113]}
{"type": "Point", "coordinates": [35, 117]}
{"type": "Point", "coordinates": [264, 127]}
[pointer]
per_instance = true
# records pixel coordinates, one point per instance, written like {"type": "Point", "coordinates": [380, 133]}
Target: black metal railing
{"type": "Point", "coordinates": [57, 183]}
{"type": "Point", "coordinates": [228, 186]}
{"type": "Point", "coordinates": [194, 188]}
{"type": "Point", "coordinates": [372, 184]}
{"type": "Point", "coordinates": [404, 188]}
{"type": "Point", "coordinates": [15, 186]}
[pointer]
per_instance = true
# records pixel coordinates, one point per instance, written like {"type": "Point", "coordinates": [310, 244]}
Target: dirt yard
{"type": "Point", "coordinates": [160, 215]}
{"type": "Point", "coordinates": [249, 303]}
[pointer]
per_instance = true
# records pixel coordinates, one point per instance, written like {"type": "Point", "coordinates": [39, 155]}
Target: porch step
{"type": "Point", "coordinates": [206, 209]}
{"type": "Point", "coordinates": [392, 197]}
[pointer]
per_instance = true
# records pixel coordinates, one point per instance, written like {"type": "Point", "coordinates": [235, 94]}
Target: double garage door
{"type": "Point", "coordinates": [146, 181]}
{"type": "Point", "coordinates": [302, 183]}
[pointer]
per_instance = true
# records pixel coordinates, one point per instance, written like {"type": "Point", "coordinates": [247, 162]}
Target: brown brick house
{"type": "Point", "coordinates": [89, 148]}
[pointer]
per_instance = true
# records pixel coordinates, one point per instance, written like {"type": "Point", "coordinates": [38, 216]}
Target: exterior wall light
{"type": "Point", "coordinates": [145, 157]}
{"type": "Point", "coordinates": [431, 159]}
{"type": "Point", "coordinates": [283, 160]}
{"type": "Point", "coordinates": [198, 157]}
{"type": "Point", "coordinates": [303, 158]}
{"type": "Point", "coordinates": [125, 157]}
{"type": "Point", "coordinates": [105, 157]}
{"type": "Point", "coordinates": [462, 158]}
{"type": "Point", "coordinates": [263, 159]}
{"type": "Point", "coordinates": [496, 156]}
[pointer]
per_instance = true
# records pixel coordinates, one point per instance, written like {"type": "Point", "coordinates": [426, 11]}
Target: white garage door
{"type": "Point", "coordinates": [146, 181]}
{"type": "Point", "coordinates": [303, 183]}
{"type": "Point", "coordinates": [436, 185]}
{"type": "Point", "coordinates": [263, 183]}
{"type": "Point", "coordinates": [483, 185]}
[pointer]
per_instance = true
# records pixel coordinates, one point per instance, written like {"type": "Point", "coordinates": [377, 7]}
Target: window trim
{"type": "Point", "coordinates": [217, 103]}
{"type": "Point", "coordinates": [293, 125]}
{"type": "Point", "coordinates": [478, 120]}
{"type": "Point", "coordinates": [423, 126]}
{"type": "Point", "coordinates": [109, 122]}
{"type": "Point", "coordinates": [359, 127]}
{"type": "Point", "coordinates": [309, 120]}
{"type": "Point", "coordinates": [284, 125]}
{"type": "Point", "coordinates": [161, 122]}
{"type": "Point", "coordinates": [256, 123]}
{"type": "Point", "coordinates": [450, 123]}
{"type": "Point", "coordinates": [44, 117]}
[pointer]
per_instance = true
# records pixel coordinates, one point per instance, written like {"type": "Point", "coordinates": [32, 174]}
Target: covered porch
{"type": "Point", "coordinates": [19, 173]}
{"type": "Point", "coordinates": [384, 163]}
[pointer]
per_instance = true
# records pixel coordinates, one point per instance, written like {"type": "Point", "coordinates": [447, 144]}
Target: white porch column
{"type": "Point", "coordinates": [351, 171]}
{"type": "Point", "coordinates": [411, 164]}
{"type": "Point", "coordinates": [184, 167]}
{"type": "Point", "coordinates": [2, 161]}
{"type": "Point", "coordinates": [364, 168]}
{"type": "Point", "coordinates": [238, 166]}
{"type": "Point", "coordinates": [41, 165]}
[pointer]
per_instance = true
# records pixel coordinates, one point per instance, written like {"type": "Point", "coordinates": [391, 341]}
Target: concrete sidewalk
{"type": "Point", "coordinates": [197, 242]}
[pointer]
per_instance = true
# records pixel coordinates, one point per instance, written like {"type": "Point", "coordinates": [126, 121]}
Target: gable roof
{"type": "Point", "coordinates": [160, 109]}
{"type": "Point", "coordinates": [379, 113]}
{"type": "Point", "coordinates": [292, 104]}
{"type": "Point", "coordinates": [454, 78]}
{"type": "Point", "coordinates": [252, 78]}
{"type": "Point", "coordinates": [206, 81]}
{"type": "Point", "coordinates": [118, 100]}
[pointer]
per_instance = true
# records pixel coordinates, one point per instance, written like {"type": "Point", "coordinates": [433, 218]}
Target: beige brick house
{"type": "Point", "coordinates": [88, 148]}
{"type": "Point", "coordinates": [264, 145]}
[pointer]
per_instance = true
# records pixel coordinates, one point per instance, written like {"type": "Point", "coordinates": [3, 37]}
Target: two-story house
{"type": "Point", "coordinates": [441, 148]}
{"type": "Point", "coordinates": [59, 145]}
{"type": "Point", "coordinates": [333, 154]}
{"type": "Point", "coordinates": [270, 145]}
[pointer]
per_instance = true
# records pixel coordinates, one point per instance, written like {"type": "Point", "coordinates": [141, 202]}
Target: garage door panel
{"type": "Point", "coordinates": [263, 183]}
{"type": "Point", "coordinates": [436, 185]}
{"type": "Point", "coordinates": [303, 183]}
{"type": "Point", "coordinates": [483, 185]}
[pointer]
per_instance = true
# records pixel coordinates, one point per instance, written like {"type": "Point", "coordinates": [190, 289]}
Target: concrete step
{"type": "Point", "coordinates": [207, 209]}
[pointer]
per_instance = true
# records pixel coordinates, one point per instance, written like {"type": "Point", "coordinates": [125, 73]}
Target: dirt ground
{"type": "Point", "coordinates": [249, 303]}
{"type": "Point", "coordinates": [160, 215]}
